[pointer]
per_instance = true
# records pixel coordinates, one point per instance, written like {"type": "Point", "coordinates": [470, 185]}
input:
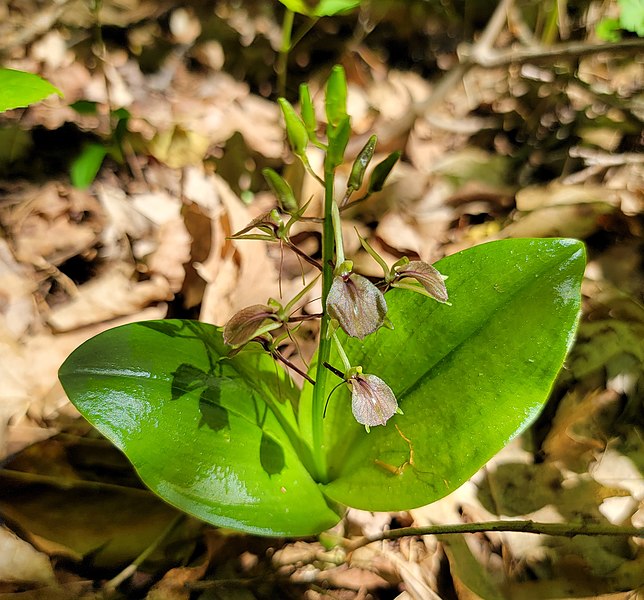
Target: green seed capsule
{"type": "Point", "coordinates": [381, 172]}
{"type": "Point", "coordinates": [361, 163]}
{"type": "Point", "coordinates": [295, 128]}
{"type": "Point", "coordinates": [308, 111]}
{"type": "Point", "coordinates": [282, 190]}
{"type": "Point", "coordinates": [336, 96]}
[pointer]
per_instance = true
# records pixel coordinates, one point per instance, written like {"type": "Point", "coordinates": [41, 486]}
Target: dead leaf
{"type": "Point", "coordinates": [238, 272]}
{"type": "Point", "coordinates": [17, 286]}
{"type": "Point", "coordinates": [178, 147]}
{"type": "Point", "coordinates": [21, 562]}
{"type": "Point", "coordinates": [575, 433]}
{"type": "Point", "coordinates": [114, 293]}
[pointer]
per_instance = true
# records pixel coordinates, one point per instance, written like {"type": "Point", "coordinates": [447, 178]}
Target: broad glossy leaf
{"type": "Point", "coordinates": [18, 89]}
{"type": "Point", "coordinates": [214, 436]}
{"type": "Point", "coordinates": [469, 377]}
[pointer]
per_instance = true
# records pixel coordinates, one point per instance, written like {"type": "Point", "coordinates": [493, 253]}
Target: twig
{"type": "Point", "coordinates": [455, 75]}
{"type": "Point", "coordinates": [557, 529]}
{"type": "Point", "coordinates": [606, 159]}
{"type": "Point", "coordinates": [481, 54]}
{"type": "Point", "coordinates": [501, 58]}
{"type": "Point", "coordinates": [126, 573]}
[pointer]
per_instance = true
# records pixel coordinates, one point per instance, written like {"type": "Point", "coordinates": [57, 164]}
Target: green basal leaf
{"type": "Point", "coordinates": [320, 8]}
{"type": "Point", "coordinates": [219, 437]}
{"type": "Point", "coordinates": [469, 377]}
{"type": "Point", "coordinates": [215, 437]}
{"type": "Point", "coordinates": [18, 89]}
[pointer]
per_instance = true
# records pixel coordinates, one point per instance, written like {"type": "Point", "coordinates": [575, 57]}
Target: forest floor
{"type": "Point", "coordinates": [510, 142]}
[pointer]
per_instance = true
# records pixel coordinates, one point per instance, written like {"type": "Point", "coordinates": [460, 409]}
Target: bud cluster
{"type": "Point", "coordinates": [352, 302]}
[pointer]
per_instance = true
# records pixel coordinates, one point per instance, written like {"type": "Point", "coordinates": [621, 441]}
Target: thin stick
{"type": "Point", "coordinates": [126, 573]}
{"type": "Point", "coordinates": [502, 58]}
{"type": "Point", "coordinates": [303, 255]}
{"type": "Point", "coordinates": [556, 529]}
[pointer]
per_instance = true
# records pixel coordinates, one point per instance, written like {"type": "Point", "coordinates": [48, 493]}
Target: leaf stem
{"type": "Point", "coordinates": [558, 529]}
{"type": "Point", "coordinates": [324, 348]}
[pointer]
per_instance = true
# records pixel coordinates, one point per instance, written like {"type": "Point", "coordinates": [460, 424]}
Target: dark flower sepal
{"type": "Point", "coordinates": [355, 303]}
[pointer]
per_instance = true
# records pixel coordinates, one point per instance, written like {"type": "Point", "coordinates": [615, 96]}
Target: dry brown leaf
{"type": "Point", "coordinates": [21, 562]}
{"type": "Point", "coordinates": [574, 221]}
{"type": "Point", "coordinates": [238, 272]}
{"type": "Point", "coordinates": [557, 194]}
{"type": "Point", "coordinates": [112, 294]}
{"type": "Point", "coordinates": [178, 147]}
{"type": "Point", "coordinates": [122, 220]}
{"type": "Point", "coordinates": [258, 121]}
{"type": "Point", "coordinates": [172, 253]}
{"type": "Point", "coordinates": [45, 225]}
{"type": "Point", "coordinates": [17, 286]}
{"type": "Point", "coordinates": [416, 570]}
{"type": "Point", "coordinates": [31, 394]}
{"type": "Point", "coordinates": [575, 433]}
{"type": "Point", "coordinates": [173, 586]}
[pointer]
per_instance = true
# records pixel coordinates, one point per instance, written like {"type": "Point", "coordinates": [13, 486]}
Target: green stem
{"type": "Point", "coordinates": [324, 349]}
{"type": "Point", "coordinates": [337, 231]}
{"type": "Point", "coordinates": [282, 61]}
{"type": "Point", "coordinates": [343, 355]}
{"type": "Point", "coordinates": [559, 529]}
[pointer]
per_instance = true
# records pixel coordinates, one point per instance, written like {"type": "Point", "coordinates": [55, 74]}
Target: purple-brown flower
{"type": "Point", "coordinates": [357, 304]}
{"type": "Point", "coordinates": [248, 323]}
{"type": "Point", "coordinates": [429, 277]}
{"type": "Point", "coordinates": [372, 401]}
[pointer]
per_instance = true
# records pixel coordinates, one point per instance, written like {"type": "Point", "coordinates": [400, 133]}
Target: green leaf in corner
{"type": "Point", "coordinates": [19, 89]}
{"type": "Point", "coordinates": [631, 16]}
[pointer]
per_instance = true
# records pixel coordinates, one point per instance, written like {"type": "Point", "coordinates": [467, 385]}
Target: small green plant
{"type": "Point", "coordinates": [419, 377]}
{"type": "Point", "coordinates": [19, 89]}
{"type": "Point", "coordinates": [87, 164]}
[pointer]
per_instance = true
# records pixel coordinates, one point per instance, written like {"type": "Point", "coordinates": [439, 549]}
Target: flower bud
{"type": "Point", "coordinates": [249, 323]}
{"type": "Point", "coordinates": [307, 109]}
{"type": "Point", "coordinates": [296, 132]}
{"type": "Point", "coordinates": [357, 304]}
{"type": "Point", "coordinates": [429, 277]}
{"type": "Point", "coordinates": [282, 190]}
{"type": "Point", "coordinates": [269, 223]}
{"type": "Point", "coordinates": [381, 172]}
{"type": "Point", "coordinates": [372, 400]}
{"type": "Point", "coordinates": [361, 163]}
{"type": "Point", "coordinates": [336, 96]}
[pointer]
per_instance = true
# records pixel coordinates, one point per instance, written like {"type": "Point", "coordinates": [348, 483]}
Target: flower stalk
{"type": "Point", "coordinates": [350, 301]}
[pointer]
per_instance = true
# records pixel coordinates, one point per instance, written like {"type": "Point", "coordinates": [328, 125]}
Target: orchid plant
{"type": "Point", "coordinates": [419, 376]}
